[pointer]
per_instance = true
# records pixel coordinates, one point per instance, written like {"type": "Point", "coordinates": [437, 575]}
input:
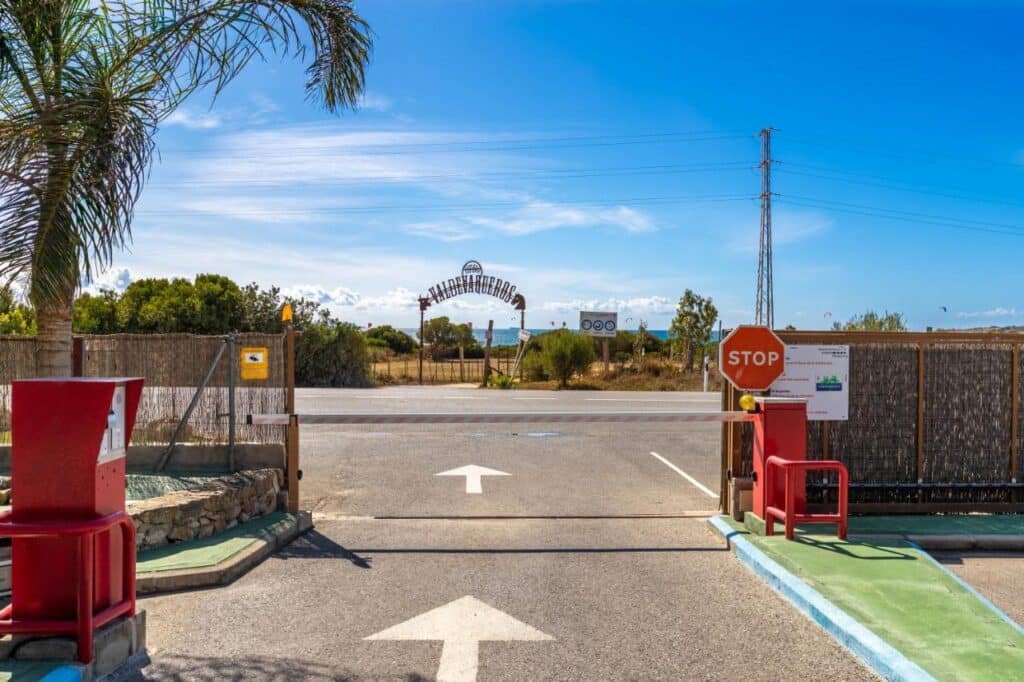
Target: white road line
{"type": "Point", "coordinates": [532, 398]}
{"type": "Point", "coordinates": [703, 488]}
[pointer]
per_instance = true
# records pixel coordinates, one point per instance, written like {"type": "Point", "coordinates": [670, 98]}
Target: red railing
{"type": "Point", "coordinates": [791, 469]}
{"type": "Point", "coordinates": [86, 621]}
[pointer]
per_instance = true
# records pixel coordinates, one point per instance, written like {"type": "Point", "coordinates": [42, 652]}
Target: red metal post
{"type": "Point", "coordinates": [85, 596]}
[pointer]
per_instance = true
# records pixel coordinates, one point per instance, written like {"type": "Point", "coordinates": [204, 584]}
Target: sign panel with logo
{"type": "Point", "coordinates": [599, 324]}
{"type": "Point", "coordinates": [524, 336]}
{"type": "Point", "coordinates": [255, 366]}
{"type": "Point", "coordinates": [821, 376]}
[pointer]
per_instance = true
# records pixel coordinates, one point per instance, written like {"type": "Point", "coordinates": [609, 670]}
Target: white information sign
{"type": "Point", "coordinates": [599, 324]}
{"type": "Point", "coordinates": [820, 375]}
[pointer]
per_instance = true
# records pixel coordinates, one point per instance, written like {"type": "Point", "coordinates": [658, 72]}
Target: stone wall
{"type": "Point", "coordinates": [218, 505]}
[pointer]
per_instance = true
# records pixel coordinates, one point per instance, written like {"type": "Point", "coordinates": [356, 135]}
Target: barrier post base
{"type": "Point", "coordinates": [113, 645]}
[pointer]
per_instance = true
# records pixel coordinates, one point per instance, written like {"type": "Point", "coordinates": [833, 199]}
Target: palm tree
{"type": "Point", "coordinates": [84, 85]}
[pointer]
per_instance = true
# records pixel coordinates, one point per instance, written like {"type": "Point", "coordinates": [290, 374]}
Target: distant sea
{"type": "Point", "coordinates": [510, 335]}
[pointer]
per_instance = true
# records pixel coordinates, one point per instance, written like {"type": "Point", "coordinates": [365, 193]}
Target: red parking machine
{"type": "Point", "coordinates": [73, 545]}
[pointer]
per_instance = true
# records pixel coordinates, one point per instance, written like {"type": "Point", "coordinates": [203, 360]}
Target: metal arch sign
{"type": "Point", "coordinates": [472, 280]}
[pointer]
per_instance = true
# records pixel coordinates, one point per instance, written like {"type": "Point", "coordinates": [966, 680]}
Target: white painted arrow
{"type": "Point", "coordinates": [472, 472]}
{"type": "Point", "coordinates": [462, 625]}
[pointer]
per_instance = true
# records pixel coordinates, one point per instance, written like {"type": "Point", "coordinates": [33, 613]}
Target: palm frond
{"type": "Point", "coordinates": [84, 85]}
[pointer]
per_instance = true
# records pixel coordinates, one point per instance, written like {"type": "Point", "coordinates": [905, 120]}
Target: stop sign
{"type": "Point", "coordinates": [751, 357]}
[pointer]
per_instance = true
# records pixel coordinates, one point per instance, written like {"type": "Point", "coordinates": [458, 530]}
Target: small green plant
{"type": "Point", "coordinates": [502, 381]}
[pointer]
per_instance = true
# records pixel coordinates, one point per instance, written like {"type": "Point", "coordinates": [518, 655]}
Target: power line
{"type": "Point", "coordinates": [887, 183]}
{"type": "Point", "coordinates": [903, 216]}
{"type": "Point", "coordinates": [519, 145]}
{"type": "Point", "coordinates": [918, 155]}
{"type": "Point", "coordinates": [449, 207]}
{"type": "Point", "coordinates": [526, 174]}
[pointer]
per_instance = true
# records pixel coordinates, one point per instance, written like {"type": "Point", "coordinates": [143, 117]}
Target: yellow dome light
{"type": "Point", "coordinates": [748, 403]}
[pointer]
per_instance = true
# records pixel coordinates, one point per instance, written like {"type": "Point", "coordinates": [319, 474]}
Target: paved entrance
{"type": "Point", "coordinates": [589, 560]}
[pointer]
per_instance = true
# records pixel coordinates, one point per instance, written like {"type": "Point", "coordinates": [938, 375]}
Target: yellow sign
{"type": "Point", "coordinates": [255, 364]}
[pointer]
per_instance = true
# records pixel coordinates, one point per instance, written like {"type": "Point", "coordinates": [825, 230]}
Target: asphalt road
{"type": "Point", "coordinates": [589, 560]}
{"type": "Point", "coordinates": [996, 575]}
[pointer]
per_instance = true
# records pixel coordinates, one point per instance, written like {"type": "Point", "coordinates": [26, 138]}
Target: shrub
{"type": "Point", "coordinates": [332, 354]}
{"type": "Point", "coordinates": [566, 354]}
{"type": "Point", "coordinates": [533, 366]}
{"type": "Point", "coordinates": [398, 341]}
{"type": "Point", "coordinates": [502, 381]}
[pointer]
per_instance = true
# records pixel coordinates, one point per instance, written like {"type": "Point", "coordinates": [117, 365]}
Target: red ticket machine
{"type": "Point", "coordinates": [72, 547]}
{"type": "Point", "coordinates": [780, 428]}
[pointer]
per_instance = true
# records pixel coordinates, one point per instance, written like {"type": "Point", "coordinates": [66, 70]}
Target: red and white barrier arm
{"type": "Point", "coordinates": [502, 418]}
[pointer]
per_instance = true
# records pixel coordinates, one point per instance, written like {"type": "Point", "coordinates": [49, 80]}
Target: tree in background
{"type": "Point", "coordinates": [15, 317]}
{"type": "Point", "coordinates": [873, 322]}
{"type": "Point", "coordinates": [565, 354]}
{"type": "Point", "coordinates": [691, 329]}
{"type": "Point", "coordinates": [332, 354]}
{"type": "Point", "coordinates": [96, 313]}
{"type": "Point", "coordinates": [396, 341]}
{"type": "Point", "coordinates": [83, 88]}
{"type": "Point", "coordinates": [444, 338]}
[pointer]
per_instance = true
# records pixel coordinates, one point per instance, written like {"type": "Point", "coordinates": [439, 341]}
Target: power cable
{"type": "Point", "coordinates": [445, 208]}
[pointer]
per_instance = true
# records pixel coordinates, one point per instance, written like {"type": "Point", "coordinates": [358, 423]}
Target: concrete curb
{"type": "Point", "coordinates": [861, 642]}
{"type": "Point", "coordinates": [984, 600]}
{"type": "Point", "coordinates": [230, 569]}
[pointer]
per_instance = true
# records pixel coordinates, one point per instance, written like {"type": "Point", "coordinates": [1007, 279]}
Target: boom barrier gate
{"type": "Point", "coordinates": [780, 427]}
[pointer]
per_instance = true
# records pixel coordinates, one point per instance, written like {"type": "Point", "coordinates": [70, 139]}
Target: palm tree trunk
{"type": "Point", "coordinates": [54, 339]}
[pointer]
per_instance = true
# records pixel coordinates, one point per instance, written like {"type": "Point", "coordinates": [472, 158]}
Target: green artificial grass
{"type": "Point", "coordinates": [207, 552]}
{"type": "Point", "coordinates": [901, 595]}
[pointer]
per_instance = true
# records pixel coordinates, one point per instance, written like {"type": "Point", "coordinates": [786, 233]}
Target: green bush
{"type": "Point", "coordinates": [502, 381]}
{"type": "Point", "coordinates": [332, 354]}
{"type": "Point", "coordinates": [566, 354]}
{"type": "Point", "coordinates": [385, 335]}
{"type": "Point", "coordinates": [533, 366]}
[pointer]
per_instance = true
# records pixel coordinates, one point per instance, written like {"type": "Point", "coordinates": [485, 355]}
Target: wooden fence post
{"type": "Point", "coordinates": [292, 437]}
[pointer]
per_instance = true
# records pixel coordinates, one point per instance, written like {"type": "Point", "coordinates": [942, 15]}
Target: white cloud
{"type": "Point", "coordinates": [998, 312]}
{"type": "Point", "coordinates": [396, 299]}
{"type": "Point", "coordinates": [309, 157]}
{"type": "Point", "coordinates": [445, 232]}
{"type": "Point", "coordinates": [372, 101]}
{"type": "Point", "coordinates": [193, 120]}
{"type": "Point", "coordinates": [642, 305]}
{"type": "Point", "coordinates": [318, 294]}
{"type": "Point", "coordinates": [264, 209]}
{"type": "Point", "coordinates": [538, 216]}
{"type": "Point", "coordinates": [117, 279]}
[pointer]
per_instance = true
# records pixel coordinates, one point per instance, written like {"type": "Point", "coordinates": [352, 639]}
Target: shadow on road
{"type": "Point", "coordinates": [179, 668]}
{"type": "Point", "coordinates": [315, 545]}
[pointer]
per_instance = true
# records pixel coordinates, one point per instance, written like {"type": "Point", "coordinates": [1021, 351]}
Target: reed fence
{"type": "Point", "coordinates": [933, 422]}
{"type": "Point", "coordinates": [173, 366]}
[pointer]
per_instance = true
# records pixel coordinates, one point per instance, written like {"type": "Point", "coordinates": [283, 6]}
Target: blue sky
{"type": "Point", "coordinates": [603, 154]}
